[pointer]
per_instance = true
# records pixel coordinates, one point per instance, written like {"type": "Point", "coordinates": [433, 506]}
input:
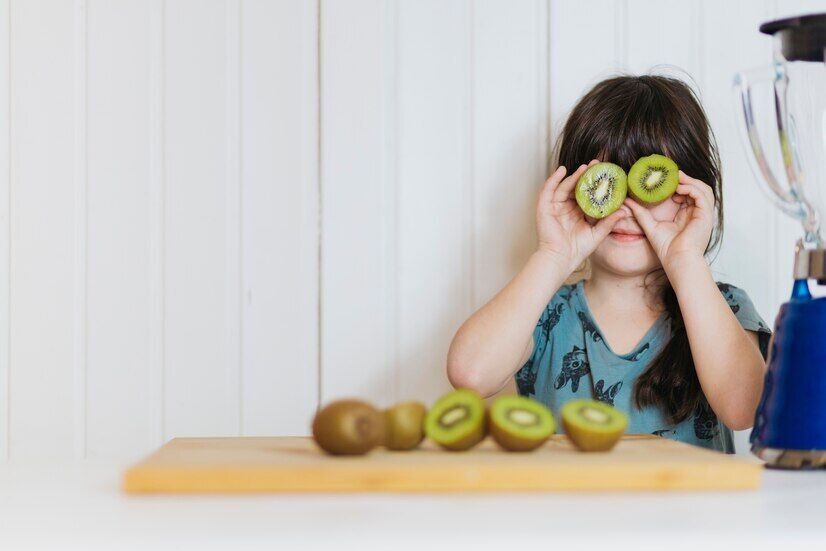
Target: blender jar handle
{"type": "Point", "coordinates": [785, 198]}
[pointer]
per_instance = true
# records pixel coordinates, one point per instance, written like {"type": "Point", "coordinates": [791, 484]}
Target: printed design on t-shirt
{"type": "Point", "coordinates": [551, 319]}
{"type": "Point", "coordinates": [664, 432]}
{"type": "Point", "coordinates": [640, 352]}
{"type": "Point", "coordinates": [574, 366]}
{"type": "Point", "coordinates": [526, 380]}
{"type": "Point", "coordinates": [725, 288]}
{"type": "Point", "coordinates": [706, 425]}
{"type": "Point", "coordinates": [606, 395]}
{"type": "Point", "coordinates": [589, 327]}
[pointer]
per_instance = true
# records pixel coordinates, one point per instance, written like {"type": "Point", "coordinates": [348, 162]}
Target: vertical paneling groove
{"type": "Point", "coordinates": [5, 180]}
{"type": "Point", "coordinates": [80, 232]}
{"type": "Point", "coordinates": [234, 260]}
{"type": "Point", "coordinates": [470, 186]}
{"type": "Point", "coordinates": [543, 95]}
{"type": "Point", "coordinates": [320, 203]}
{"type": "Point", "coordinates": [156, 219]}
{"type": "Point", "coordinates": [390, 214]}
{"type": "Point", "coordinates": [621, 36]}
{"type": "Point", "coordinates": [698, 47]}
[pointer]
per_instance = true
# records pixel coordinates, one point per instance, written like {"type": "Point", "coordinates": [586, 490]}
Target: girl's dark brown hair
{"type": "Point", "coordinates": [620, 120]}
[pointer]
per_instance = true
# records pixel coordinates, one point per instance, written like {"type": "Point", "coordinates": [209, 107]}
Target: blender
{"type": "Point", "coordinates": [790, 422]}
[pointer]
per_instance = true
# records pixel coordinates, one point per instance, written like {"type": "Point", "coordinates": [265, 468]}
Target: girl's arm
{"type": "Point", "coordinates": [497, 339]}
{"type": "Point", "coordinates": [726, 356]}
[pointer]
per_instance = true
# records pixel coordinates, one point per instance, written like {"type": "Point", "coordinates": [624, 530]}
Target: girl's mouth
{"type": "Point", "coordinates": [624, 237]}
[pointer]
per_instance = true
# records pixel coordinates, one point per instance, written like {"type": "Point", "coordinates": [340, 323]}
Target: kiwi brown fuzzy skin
{"type": "Point", "coordinates": [404, 426]}
{"type": "Point", "coordinates": [348, 427]}
{"type": "Point", "coordinates": [643, 170]}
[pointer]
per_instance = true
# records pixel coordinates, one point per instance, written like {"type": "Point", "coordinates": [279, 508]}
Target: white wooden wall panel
{"type": "Point", "coordinates": [5, 145]}
{"type": "Point", "coordinates": [117, 287]}
{"type": "Point", "coordinates": [359, 210]}
{"type": "Point", "coordinates": [435, 186]}
{"type": "Point", "coordinates": [42, 103]}
{"type": "Point", "coordinates": [279, 168]}
{"type": "Point", "coordinates": [197, 399]}
{"type": "Point", "coordinates": [568, 80]}
{"type": "Point", "coordinates": [510, 138]}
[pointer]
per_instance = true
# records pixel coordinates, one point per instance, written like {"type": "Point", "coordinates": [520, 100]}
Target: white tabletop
{"type": "Point", "coordinates": [81, 506]}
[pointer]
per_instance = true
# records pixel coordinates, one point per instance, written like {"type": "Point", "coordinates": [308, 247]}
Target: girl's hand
{"type": "Point", "coordinates": [688, 234]}
{"type": "Point", "coordinates": [561, 227]}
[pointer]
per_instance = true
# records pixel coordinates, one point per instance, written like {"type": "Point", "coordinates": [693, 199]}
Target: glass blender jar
{"type": "Point", "coordinates": [790, 423]}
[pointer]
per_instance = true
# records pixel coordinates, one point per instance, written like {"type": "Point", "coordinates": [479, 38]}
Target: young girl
{"type": "Point", "coordinates": [649, 331]}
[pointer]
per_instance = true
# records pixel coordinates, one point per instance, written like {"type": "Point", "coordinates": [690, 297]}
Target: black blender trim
{"type": "Point", "coordinates": [802, 38]}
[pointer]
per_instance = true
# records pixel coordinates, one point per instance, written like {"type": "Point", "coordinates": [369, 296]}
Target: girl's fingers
{"type": "Point", "coordinates": [602, 228]}
{"type": "Point", "coordinates": [699, 184]}
{"type": "Point", "coordinates": [698, 195]}
{"type": "Point", "coordinates": [643, 216]}
{"type": "Point", "coordinates": [551, 183]}
{"type": "Point", "coordinates": [563, 191]}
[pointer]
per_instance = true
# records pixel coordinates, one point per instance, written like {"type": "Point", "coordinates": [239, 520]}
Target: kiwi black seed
{"type": "Point", "coordinates": [601, 189]}
{"type": "Point", "coordinates": [348, 427]}
{"type": "Point", "coordinates": [653, 179]}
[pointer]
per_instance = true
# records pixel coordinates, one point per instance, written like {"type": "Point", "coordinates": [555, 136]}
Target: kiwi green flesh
{"type": "Point", "coordinates": [457, 420]}
{"type": "Point", "coordinates": [653, 179]}
{"type": "Point", "coordinates": [601, 190]}
{"type": "Point", "coordinates": [348, 427]}
{"type": "Point", "coordinates": [520, 424]}
{"type": "Point", "coordinates": [593, 425]}
{"type": "Point", "coordinates": [404, 426]}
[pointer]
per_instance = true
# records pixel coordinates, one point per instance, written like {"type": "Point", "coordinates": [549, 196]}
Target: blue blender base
{"type": "Point", "coordinates": [790, 423]}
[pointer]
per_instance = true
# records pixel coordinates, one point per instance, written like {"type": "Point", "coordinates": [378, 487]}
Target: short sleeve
{"type": "Point", "coordinates": [542, 337]}
{"type": "Point", "coordinates": [746, 314]}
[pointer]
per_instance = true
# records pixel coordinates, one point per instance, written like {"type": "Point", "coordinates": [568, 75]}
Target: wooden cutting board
{"type": "Point", "coordinates": [290, 464]}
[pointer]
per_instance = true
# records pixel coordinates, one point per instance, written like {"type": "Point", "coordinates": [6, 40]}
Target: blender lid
{"type": "Point", "coordinates": [802, 38]}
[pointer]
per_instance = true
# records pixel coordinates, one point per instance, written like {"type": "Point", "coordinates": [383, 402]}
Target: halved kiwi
{"type": "Point", "coordinates": [404, 426]}
{"type": "Point", "coordinates": [457, 420]}
{"type": "Point", "coordinates": [601, 189]}
{"type": "Point", "coordinates": [592, 425]}
{"type": "Point", "coordinates": [653, 179]}
{"type": "Point", "coordinates": [348, 427]}
{"type": "Point", "coordinates": [520, 424]}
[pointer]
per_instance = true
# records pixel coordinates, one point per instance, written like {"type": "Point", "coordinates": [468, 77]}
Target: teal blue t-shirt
{"type": "Point", "coordinates": [571, 360]}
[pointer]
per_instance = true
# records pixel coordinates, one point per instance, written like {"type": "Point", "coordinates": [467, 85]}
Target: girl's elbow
{"type": "Point", "coordinates": [738, 420]}
{"type": "Point", "coordinates": [462, 375]}
{"type": "Point", "coordinates": [466, 373]}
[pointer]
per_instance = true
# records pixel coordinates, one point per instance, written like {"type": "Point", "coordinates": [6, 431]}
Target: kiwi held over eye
{"type": "Point", "coordinates": [404, 426]}
{"type": "Point", "coordinates": [653, 179]}
{"type": "Point", "coordinates": [457, 421]}
{"type": "Point", "coordinates": [592, 425]}
{"type": "Point", "coordinates": [348, 427]}
{"type": "Point", "coordinates": [601, 189]}
{"type": "Point", "coordinates": [520, 424]}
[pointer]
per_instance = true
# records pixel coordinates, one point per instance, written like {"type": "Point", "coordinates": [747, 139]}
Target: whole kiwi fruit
{"type": "Point", "coordinates": [404, 426]}
{"type": "Point", "coordinates": [348, 427]}
{"type": "Point", "coordinates": [601, 190]}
